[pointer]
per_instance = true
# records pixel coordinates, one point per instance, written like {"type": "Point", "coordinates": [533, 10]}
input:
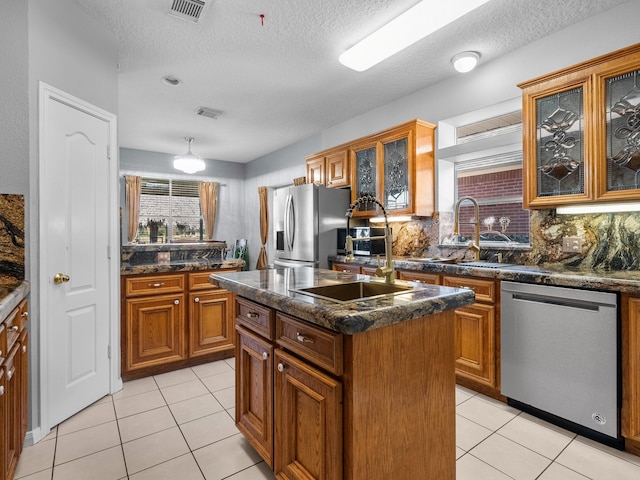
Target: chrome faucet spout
{"type": "Point", "coordinates": [473, 246]}
{"type": "Point", "coordinates": [387, 271]}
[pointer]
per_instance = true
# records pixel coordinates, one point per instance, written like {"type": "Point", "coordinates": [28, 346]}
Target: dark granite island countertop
{"type": "Point", "coordinates": [273, 288]}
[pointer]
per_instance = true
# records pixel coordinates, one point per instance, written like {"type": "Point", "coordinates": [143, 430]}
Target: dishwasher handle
{"type": "Point", "coordinates": [562, 302]}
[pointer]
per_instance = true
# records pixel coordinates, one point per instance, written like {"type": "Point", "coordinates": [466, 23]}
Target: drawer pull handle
{"type": "Point", "coordinates": [265, 355]}
{"type": "Point", "coordinates": [304, 338]}
{"type": "Point", "coordinates": [24, 349]}
{"type": "Point", "coordinates": [253, 315]}
{"type": "Point", "coordinates": [197, 299]}
{"type": "Point", "coordinates": [156, 285]}
{"type": "Point", "coordinates": [9, 374]}
{"type": "Point", "coordinates": [14, 328]}
{"type": "Point", "coordinates": [280, 367]}
{"type": "Point", "coordinates": [177, 302]}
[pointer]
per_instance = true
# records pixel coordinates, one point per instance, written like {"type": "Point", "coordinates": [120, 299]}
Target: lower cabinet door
{"type": "Point", "coordinates": [210, 322]}
{"type": "Point", "coordinates": [24, 385]}
{"type": "Point", "coordinates": [3, 424]}
{"type": "Point", "coordinates": [155, 331]}
{"type": "Point", "coordinates": [12, 410]}
{"type": "Point", "coordinates": [308, 421]}
{"type": "Point", "coordinates": [254, 388]}
{"type": "Point", "coordinates": [475, 343]}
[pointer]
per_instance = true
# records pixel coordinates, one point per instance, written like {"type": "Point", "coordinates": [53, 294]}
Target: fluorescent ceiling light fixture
{"type": "Point", "coordinates": [465, 62]}
{"type": "Point", "coordinates": [188, 163]}
{"type": "Point", "coordinates": [600, 208]}
{"type": "Point", "coordinates": [416, 23]}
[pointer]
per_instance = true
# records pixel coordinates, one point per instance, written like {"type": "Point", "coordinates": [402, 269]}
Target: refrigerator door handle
{"type": "Point", "coordinates": [289, 222]}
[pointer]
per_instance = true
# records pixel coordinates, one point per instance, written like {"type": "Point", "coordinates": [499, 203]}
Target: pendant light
{"type": "Point", "coordinates": [188, 163]}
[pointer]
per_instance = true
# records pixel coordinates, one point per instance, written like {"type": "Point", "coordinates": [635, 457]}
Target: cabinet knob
{"type": "Point", "coordinates": [24, 349]}
{"type": "Point", "coordinates": [280, 367]}
{"type": "Point", "coordinates": [1, 389]}
{"type": "Point", "coordinates": [265, 355]}
{"type": "Point", "coordinates": [25, 314]}
{"type": "Point", "coordinates": [304, 338]}
{"type": "Point", "coordinates": [14, 328]}
{"type": "Point", "coordinates": [9, 374]}
{"type": "Point", "coordinates": [197, 299]}
{"type": "Point", "coordinates": [177, 302]}
{"type": "Point", "coordinates": [1, 354]}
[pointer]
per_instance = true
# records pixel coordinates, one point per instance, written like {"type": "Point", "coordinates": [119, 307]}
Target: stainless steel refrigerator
{"type": "Point", "coordinates": [306, 219]}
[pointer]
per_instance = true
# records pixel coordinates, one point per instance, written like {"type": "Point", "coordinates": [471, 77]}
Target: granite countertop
{"type": "Point", "coordinates": [556, 274]}
{"type": "Point", "coordinates": [10, 296]}
{"type": "Point", "coordinates": [179, 266]}
{"type": "Point", "coordinates": [273, 288]}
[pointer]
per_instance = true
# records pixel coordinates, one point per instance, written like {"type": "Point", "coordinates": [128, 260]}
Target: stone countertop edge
{"type": "Point", "coordinates": [186, 266]}
{"type": "Point", "coordinates": [273, 289]}
{"type": "Point", "coordinates": [627, 281]}
{"type": "Point", "coordinates": [13, 299]}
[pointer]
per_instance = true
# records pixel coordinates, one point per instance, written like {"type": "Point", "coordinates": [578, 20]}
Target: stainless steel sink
{"type": "Point", "coordinates": [346, 292]}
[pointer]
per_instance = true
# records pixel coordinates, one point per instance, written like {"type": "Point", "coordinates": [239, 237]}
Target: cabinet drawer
{"type": "Point", "coordinates": [347, 267]}
{"type": "Point", "coordinates": [255, 317]}
{"type": "Point", "coordinates": [154, 284]}
{"type": "Point", "coordinates": [24, 314]}
{"type": "Point", "coordinates": [13, 328]}
{"type": "Point", "coordinates": [485, 290]}
{"type": "Point", "coordinates": [432, 278]}
{"type": "Point", "coordinates": [315, 344]}
{"type": "Point", "coordinates": [200, 280]}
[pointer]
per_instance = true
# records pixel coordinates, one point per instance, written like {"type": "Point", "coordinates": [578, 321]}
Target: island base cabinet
{"type": "Point", "coordinates": [308, 421]}
{"type": "Point", "coordinates": [254, 400]}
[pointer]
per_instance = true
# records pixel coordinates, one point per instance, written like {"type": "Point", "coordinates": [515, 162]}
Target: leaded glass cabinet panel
{"type": "Point", "coordinates": [396, 175]}
{"type": "Point", "coordinates": [560, 143]}
{"type": "Point", "coordinates": [622, 104]}
{"type": "Point", "coordinates": [365, 178]}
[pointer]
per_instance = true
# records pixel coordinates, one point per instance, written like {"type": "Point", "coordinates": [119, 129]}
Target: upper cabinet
{"type": "Point", "coordinates": [330, 168]}
{"type": "Point", "coordinates": [581, 132]}
{"type": "Point", "coordinates": [396, 166]}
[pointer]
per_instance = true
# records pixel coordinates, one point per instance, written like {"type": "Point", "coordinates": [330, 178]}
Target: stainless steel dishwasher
{"type": "Point", "coordinates": [559, 356]}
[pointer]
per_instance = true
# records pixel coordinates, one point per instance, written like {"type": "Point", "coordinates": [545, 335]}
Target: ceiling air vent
{"type": "Point", "coordinates": [489, 127]}
{"type": "Point", "coordinates": [208, 112]}
{"type": "Point", "coordinates": [187, 9]}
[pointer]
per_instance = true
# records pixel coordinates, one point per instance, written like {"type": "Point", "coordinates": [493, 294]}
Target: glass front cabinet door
{"type": "Point", "coordinates": [581, 132]}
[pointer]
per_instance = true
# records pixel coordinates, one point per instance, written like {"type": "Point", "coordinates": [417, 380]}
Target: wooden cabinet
{"type": "Point", "coordinates": [477, 335]}
{"type": "Point", "coordinates": [397, 167]}
{"type": "Point", "coordinates": [347, 267]}
{"type": "Point", "coordinates": [630, 417]}
{"type": "Point", "coordinates": [330, 168]}
{"type": "Point", "coordinates": [579, 130]}
{"type": "Point", "coordinates": [13, 389]}
{"type": "Point", "coordinates": [410, 275]}
{"type": "Point", "coordinates": [173, 320]}
{"type": "Point", "coordinates": [335, 397]}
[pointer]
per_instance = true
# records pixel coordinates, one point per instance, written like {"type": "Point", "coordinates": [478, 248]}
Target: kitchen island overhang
{"type": "Point", "coordinates": [390, 411]}
{"type": "Point", "coordinates": [278, 288]}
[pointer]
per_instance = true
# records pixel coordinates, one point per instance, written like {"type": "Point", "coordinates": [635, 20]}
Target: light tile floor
{"type": "Point", "coordinates": [179, 425]}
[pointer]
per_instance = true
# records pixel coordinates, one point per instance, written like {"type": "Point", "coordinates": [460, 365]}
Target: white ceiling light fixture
{"type": "Point", "coordinates": [416, 23]}
{"type": "Point", "coordinates": [188, 163]}
{"type": "Point", "coordinates": [465, 62]}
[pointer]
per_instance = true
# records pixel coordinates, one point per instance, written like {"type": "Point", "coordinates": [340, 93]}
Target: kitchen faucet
{"type": "Point", "coordinates": [388, 270]}
{"type": "Point", "coordinates": [473, 246]}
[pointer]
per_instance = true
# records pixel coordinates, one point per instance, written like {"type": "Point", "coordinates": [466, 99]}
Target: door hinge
{"type": "Point", "coordinates": [108, 251]}
{"type": "Point", "coordinates": [109, 152]}
{"type": "Point", "coordinates": [109, 351]}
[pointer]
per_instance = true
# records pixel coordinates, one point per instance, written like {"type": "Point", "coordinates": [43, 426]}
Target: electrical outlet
{"type": "Point", "coordinates": [572, 244]}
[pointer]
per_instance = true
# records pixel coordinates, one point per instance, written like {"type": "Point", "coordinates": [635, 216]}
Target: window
{"type": "Point", "coordinates": [480, 156]}
{"type": "Point", "coordinates": [169, 211]}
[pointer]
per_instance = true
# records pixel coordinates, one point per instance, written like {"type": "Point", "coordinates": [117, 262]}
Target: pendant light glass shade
{"type": "Point", "coordinates": [188, 163]}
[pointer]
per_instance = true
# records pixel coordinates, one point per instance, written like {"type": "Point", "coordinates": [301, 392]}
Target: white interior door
{"type": "Point", "coordinates": [74, 243]}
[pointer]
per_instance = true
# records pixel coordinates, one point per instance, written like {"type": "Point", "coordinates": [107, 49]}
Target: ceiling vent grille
{"type": "Point", "coordinates": [208, 112]}
{"type": "Point", "coordinates": [489, 127]}
{"type": "Point", "coordinates": [187, 9]}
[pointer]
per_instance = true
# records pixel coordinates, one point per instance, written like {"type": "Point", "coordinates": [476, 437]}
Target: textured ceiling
{"type": "Point", "coordinates": [282, 82]}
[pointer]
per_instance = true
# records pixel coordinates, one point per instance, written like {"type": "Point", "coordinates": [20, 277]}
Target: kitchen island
{"type": "Point", "coordinates": [361, 389]}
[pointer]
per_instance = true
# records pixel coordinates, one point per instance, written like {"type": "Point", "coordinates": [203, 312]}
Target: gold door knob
{"type": "Point", "coordinates": [60, 278]}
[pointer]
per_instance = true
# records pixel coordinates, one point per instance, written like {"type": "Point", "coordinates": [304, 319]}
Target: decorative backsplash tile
{"type": "Point", "coordinates": [12, 267]}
